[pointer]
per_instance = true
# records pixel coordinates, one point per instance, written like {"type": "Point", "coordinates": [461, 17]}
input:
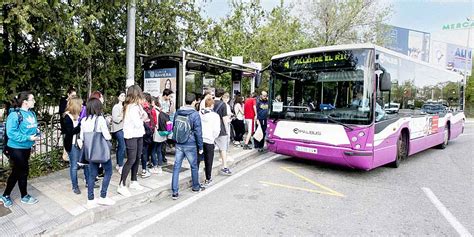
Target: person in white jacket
{"type": "Point", "coordinates": [94, 113]}
{"type": "Point", "coordinates": [211, 127]}
{"type": "Point", "coordinates": [133, 131]}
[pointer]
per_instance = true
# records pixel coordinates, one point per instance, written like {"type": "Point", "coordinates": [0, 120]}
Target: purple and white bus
{"type": "Point", "coordinates": [327, 104]}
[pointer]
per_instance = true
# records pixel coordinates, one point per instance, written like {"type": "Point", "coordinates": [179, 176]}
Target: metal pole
{"type": "Point", "coordinates": [131, 9]}
{"type": "Point", "coordinates": [183, 80]}
{"type": "Point", "coordinates": [465, 67]}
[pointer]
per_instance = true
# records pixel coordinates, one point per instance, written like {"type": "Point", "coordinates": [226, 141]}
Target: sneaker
{"type": "Point", "coordinates": [101, 175]}
{"type": "Point", "coordinates": [123, 191]}
{"type": "Point", "coordinates": [201, 188]}
{"type": "Point", "coordinates": [226, 171]}
{"type": "Point", "coordinates": [261, 150]}
{"type": "Point", "coordinates": [117, 167]}
{"type": "Point", "coordinates": [7, 201]}
{"type": "Point", "coordinates": [95, 185]}
{"type": "Point", "coordinates": [91, 204]}
{"type": "Point", "coordinates": [28, 199]}
{"type": "Point", "coordinates": [175, 196]}
{"type": "Point", "coordinates": [207, 183]}
{"type": "Point", "coordinates": [156, 170]}
{"type": "Point", "coordinates": [135, 185]}
{"type": "Point", "coordinates": [165, 160]}
{"type": "Point", "coordinates": [105, 201]}
{"type": "Point", "coordinates": [76, 191]}
{"type": "Point", "coordinates": [120, 170]}
{"type": "Point", "coordinates": [145, 174]}
{"type": "Point", "coordinates": [247, 147]}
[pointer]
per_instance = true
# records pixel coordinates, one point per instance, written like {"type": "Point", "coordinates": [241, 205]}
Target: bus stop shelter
{"type": "Point", "coordinates": [193, 72]}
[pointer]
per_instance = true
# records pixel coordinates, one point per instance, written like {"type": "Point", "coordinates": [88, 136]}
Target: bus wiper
{"type": "Point", "coordinates": [330, 118]}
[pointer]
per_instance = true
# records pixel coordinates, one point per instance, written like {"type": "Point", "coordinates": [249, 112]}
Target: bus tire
{"type": "Point", "coordinates": [402, 150]}
{"type": "Point", "coordinates": [445, 137]}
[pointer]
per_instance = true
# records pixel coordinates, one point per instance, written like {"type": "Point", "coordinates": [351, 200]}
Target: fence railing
{"type": "Point", "coordinates": [51, 140]}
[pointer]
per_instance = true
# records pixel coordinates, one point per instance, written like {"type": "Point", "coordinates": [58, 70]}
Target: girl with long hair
{"type": "Point", "coordinates": [133, 131]}
{"type": "Point", "coordinates": [72, 128]}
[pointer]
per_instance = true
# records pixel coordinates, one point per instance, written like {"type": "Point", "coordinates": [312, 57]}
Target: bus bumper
{"type": "Point", "coordinates": [342, 156]}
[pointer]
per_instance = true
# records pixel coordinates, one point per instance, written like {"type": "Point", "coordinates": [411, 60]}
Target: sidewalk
{"type": "Point", "coordinates": [60, 210]}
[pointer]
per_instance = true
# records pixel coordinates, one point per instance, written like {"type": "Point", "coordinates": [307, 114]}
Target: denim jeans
{"type": "Point", "coordinates": [147, 149]}
{"type": "Point", "coordinates": [120, 147]}
{"type": "Point", "coordinates": [156, 157]}
{"type": "Point", "coordinates": [190, 152]}
{"type": "Point", "coordinates": [93, 170]}
{"type": "Point", "coordinates": [74, 156]}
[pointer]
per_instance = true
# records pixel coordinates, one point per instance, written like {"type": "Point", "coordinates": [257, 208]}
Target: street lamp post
{"type": "Point", "coordinates": [464, 84]}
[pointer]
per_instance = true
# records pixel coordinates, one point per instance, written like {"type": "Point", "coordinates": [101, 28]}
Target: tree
{"type": "Point", "coordinates": [330, 22]}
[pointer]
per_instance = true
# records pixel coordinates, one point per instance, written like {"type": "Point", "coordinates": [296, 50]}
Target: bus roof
{"type": "Point", "coordinates": [361, 46]}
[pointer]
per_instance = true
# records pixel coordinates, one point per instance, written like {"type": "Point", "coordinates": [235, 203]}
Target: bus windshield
{"type": "Point", "coordinates": [327, 86]}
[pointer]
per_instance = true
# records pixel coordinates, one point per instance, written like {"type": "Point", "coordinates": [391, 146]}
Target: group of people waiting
{"type": "Point", "coordinates": [141, 125]}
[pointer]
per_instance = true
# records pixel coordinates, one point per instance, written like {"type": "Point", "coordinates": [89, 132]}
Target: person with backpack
{"type": "Point", "coordinates": [22, 133]}
{"type": "Point", "coordinates": [187, 133]}
{"type": "Point", "coordinates": [163, 129]}
{"type": "Point", "coordinates": [211, 129]}
{"type": "Point", "coordinates": [238, 123]}
{"type": "Point", "coordinates": [72, 129]}
{"type": "Point", "coordinates": [149, 125]}
{"type": "Point", "coordinates": [95, 122]}
{"type": "Point", "coordinates": [222, 142]}
{"type": "Point", "coordinates": [133, 131]}
{"type": "Point", "coordinates": [117, 130]}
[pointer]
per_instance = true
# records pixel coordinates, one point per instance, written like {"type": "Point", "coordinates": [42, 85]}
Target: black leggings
{"type": "Point", "coordinates": [239, 128]}
{"type": "Point", "coordinates": [134, 153]}
{"type": "Point", "coordinates": [208, 159]}
{"type": "Point", "coordinates": [20, 168]}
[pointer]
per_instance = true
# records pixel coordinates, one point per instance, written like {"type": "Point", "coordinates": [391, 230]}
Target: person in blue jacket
{"type": "Point", "coordinates": [22, 132]}
{"type": "Point", "coordinates": [190, 146]}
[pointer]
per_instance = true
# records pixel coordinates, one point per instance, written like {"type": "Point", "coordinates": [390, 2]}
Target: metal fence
{"type": "Point", "coordinates": [51, 139]}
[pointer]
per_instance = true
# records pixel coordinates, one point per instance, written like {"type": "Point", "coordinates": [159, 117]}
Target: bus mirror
{"type": "Point", "coordinates": [385, 82]}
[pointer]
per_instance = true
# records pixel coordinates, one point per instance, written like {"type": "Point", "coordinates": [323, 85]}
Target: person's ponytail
{"type": "Point", "coordinates": [17, 101]}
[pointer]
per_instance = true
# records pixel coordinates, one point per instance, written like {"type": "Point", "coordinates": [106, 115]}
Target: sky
{"type": "Point", "coordinates": [421, 15]}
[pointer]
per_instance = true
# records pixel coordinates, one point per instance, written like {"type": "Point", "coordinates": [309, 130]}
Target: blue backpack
{"type": "Point", "coordinates": [181, 129]}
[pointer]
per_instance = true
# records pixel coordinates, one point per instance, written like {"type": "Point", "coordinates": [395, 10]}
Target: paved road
{"type": "Point", "coordinates": [286, 196]}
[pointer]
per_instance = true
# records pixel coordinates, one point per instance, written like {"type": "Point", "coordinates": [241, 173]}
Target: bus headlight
{"type": "Point", "coordinates": [361, 134]}
{"type": "Point", "coordinates": [354, 139]}
{"type": "Point", "coordinates": [357, 146]}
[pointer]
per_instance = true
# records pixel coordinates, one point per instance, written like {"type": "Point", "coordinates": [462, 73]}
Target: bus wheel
{"type": "Point", "coordinates": [445, 139]}
{"type": "Point", "coordinates": [402, 150]}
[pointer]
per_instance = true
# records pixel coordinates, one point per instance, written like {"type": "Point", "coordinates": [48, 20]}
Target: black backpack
{"type": "Point", "coordinates": [5, 148]}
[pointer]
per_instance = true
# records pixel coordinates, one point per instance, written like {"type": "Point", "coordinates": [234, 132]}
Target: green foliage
{"type": "Point", "coordinates": [45, 163]}
{"type": "Point", "coordinates": [48, 46]}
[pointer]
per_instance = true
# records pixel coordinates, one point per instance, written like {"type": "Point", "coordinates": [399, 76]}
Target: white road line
{"type": "Point", "coordinates": [135, 229]}
{"type": "Point", "coordinates": [462, 231]}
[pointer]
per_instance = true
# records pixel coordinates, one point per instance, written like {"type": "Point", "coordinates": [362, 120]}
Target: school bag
{"type": "Point", "coordinates": [149, 127]}
{"type": "Point", "coordinates": [181, 129]}
{"type": "Point", "coordinates": [5, 148]}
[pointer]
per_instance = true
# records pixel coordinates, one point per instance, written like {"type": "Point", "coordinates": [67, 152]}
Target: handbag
{"type": "Point", "coordinates": [96, 148]}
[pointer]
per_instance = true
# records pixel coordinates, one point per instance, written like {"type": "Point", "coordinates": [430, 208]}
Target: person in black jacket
{"type": "Point", "coordinates": [72, 128]}
{"type": "Point", "coordinates": [63, 105]}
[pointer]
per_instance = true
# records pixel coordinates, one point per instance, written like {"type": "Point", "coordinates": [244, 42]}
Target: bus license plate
{"type": "Point", "coordinates": [307, 149]}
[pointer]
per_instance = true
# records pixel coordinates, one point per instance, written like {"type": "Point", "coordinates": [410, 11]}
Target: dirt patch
{"type": "Point", "coordinates": [4, 211]}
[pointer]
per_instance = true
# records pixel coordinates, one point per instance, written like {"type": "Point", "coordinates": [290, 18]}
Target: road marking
{"type": "Point", "coordinates": [148, 222]}
{"type": "Point", "coordinates": [289, 169]}
{"type": "Point", "coordinates": [446, 213]}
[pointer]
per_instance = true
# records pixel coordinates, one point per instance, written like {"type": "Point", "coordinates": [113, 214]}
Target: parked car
{"type": "Point", "coordinates": [392, 108]}
{"type": "Point", "coordinates": [433, 108]}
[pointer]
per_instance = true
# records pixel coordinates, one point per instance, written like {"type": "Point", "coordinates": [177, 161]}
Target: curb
{"type": "Point", "coordinates": [100, 213]}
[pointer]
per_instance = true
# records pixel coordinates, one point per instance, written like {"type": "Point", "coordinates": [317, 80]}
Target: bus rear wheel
{"type": "Point", "coordinates": [402, 150]}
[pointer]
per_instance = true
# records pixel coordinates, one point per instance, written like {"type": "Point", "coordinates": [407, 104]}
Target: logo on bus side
{"type": "Point", "coordinates": [297, 131]}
